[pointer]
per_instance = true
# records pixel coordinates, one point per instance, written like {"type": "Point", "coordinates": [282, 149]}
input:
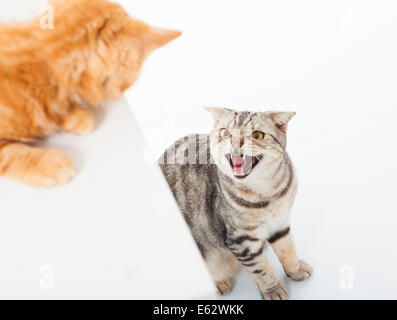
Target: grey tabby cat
{"type": "Point", "coordinates": [235, 188]}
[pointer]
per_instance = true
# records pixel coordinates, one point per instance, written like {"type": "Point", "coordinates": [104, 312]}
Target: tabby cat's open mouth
{"type": "Point", "coordinates": [242, 165]}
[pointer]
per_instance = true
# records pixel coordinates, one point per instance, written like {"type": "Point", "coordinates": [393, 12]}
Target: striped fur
{"type": "Point", "coordinates": [278, 235]}
{"type": "Point", "coordinates": [231, 218]}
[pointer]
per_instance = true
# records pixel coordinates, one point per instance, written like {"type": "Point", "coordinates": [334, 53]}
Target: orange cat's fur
{"type": "Point", "coordinates": [51, 80]}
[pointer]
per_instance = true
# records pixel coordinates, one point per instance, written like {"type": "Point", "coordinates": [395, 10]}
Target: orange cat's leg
{"type": "Point", "coordinates": [35, 166]}
{"type": "Point", "coordinates": [79, 120]}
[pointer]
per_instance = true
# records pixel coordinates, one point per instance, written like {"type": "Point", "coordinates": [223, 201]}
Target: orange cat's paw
{"type": "Point", "coordinates": [80, 121]}
{"type": "Point", "coordinates": [51, 168]}
{"type": "Point", "coordinates": [35, 166]}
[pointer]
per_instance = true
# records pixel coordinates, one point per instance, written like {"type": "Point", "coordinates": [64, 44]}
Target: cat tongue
{"type": "Point", "coordinates": [242, 165]}
{"type": "Point", "coordinates": [239, 165]}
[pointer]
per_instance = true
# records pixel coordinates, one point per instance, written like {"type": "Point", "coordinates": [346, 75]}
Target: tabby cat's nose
{"type": "Point", "coordinates": [237, 143]}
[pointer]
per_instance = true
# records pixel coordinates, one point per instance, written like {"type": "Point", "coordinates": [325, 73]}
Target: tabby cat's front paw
{"type": "Point", "coordinates": [277, 292]}
{"type": "Point", "coordinates": [304, 272]}
{"type": "Point", "coordinates": [224, 287]}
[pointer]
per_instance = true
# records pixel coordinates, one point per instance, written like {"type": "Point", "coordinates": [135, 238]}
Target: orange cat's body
{"type": "Point", "coordinates": [51, 79]}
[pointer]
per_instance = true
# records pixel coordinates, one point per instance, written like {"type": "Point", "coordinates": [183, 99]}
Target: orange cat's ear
{"type": "Point", "coordinates": [158, 37]}
{"type": "Point", "coordinates": [162, 36]}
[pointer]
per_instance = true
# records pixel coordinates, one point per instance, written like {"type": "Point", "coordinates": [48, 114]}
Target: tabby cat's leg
{"type": "Point", "coordinates": [35, 166]}
{"type": "Point", "coordinates": [223, 267]}
{"type": "Point", "coordinates": [283, 245]}
{"type": "Point", "coordinates": [79, 120]}
{"type": "Point", "coordinates": [249, 252]}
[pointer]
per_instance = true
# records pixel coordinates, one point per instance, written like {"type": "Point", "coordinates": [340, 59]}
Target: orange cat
{"type": "Point", "coordinates": [51, 79]}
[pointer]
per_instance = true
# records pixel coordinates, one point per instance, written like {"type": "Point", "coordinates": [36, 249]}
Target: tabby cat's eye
{"type": "Point", "coordinates": [224, 133]}
{"type": "Point", "coordinates": [258, 135]}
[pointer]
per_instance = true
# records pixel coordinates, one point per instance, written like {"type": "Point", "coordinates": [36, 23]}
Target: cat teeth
{"type": "Point", "coordinates": [242, 164]}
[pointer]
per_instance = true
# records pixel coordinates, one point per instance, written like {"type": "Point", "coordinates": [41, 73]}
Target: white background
{"type": "Point", "coordinates": [333, 62]}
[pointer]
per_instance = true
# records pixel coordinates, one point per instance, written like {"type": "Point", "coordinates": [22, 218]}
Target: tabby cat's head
{"type": "Point", "coordinates": [246, 144]}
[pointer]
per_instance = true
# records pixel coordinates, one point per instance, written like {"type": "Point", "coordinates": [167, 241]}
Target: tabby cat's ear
{"type": "Point", "coordinates": [217, 113]}
{"type": "Point", "coordinates": [281, 119]}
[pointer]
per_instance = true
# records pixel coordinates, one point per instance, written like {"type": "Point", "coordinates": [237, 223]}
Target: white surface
{"type": "Point", "coordinates": [333, 62]}
{"type": "Point", "coordinates": [113, 232]}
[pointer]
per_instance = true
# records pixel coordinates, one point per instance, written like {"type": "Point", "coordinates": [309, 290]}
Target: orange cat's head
{"type": "Point", "coordinates": [98, 48]}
